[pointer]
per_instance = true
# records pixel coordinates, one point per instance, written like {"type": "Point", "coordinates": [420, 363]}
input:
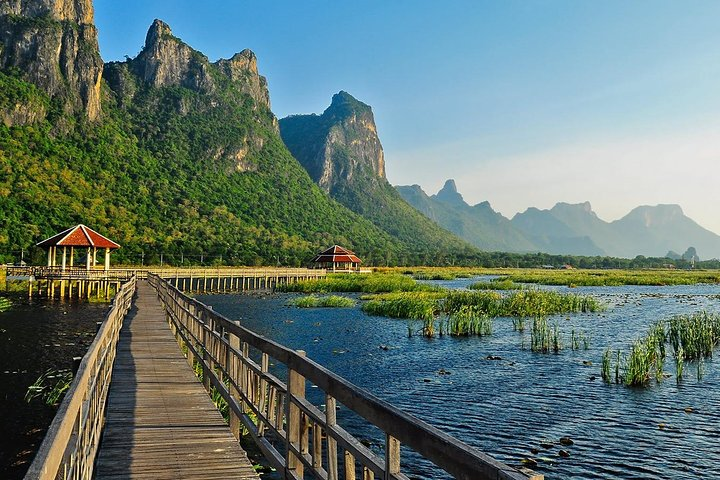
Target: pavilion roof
{"type": "Point", "coordinates": [78, 236]}
{"type": "Point", "coordinates": [336, 254]}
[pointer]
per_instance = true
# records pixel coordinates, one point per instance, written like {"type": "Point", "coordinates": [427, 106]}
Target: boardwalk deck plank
{"type": "Point", "coordinates": [160, 421]}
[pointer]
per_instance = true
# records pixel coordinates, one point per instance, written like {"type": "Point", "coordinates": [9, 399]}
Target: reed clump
{"type": "Point", "coordinates": [693, 338]}
{"type": "Point", "coordinates": [330, 301]}
{"type": "Point", "coordinates": [411, 305]}
{"type": "Point", "coordinates": [5, 304]}
{"type": "Point", "coordinates": [467, 321]}
{"type": "Point", "coordinates": [545, 338]}
{"type": "Point", "coordinates": [495, 284]}
{"type": "Point", "coordinates": [364, 283]}
{"type": "Point", "coordinates": [50, 386]}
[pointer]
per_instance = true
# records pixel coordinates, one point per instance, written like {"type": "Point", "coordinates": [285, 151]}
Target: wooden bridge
{"type": "Point", "coordinates": [137, 410]}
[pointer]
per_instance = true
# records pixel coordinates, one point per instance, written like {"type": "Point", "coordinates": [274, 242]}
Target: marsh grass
{"type": "Point", "coordinates": [545, 338]}
{"type": "Point", "coordinates": [364, 283]}
{"type": "Point", "coordinates": [5, 304]}
{"type": "Point", "coordinates": [613, 278]}
{"type": "Point", "coordinates": [50, 386]}
{"type": "Point", "coordinates": [330, 301]}
{"type": "Point", "coordinates": [496, 284]}
{"type": "Point", "coordinates": [412, 305]}
{"type": "Point", "coordinates": [468, 321]}
{"type": "Point", "coordinates": [693, 338]}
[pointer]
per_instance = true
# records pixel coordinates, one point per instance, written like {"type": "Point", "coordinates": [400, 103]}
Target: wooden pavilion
{"type": "Point", "coordinates": [337, 259]}
{"type": "Point", "coordinates": [78, 237]}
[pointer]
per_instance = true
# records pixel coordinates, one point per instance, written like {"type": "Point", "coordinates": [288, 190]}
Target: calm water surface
{"type": "Point", "coordinates": [508, 407]}
{"type": "Point", "coordinates": [34, 337]}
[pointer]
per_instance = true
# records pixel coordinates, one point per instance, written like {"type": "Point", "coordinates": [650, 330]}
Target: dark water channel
{"type": "Point", "coordinates": [525, 400]}
{"type": "Point", "coordinates": [34, 337]}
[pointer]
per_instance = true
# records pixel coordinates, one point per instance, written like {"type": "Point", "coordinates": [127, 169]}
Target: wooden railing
{"type": "Point", "coordinates": [71, 442]}
{"type": "Point", "coordinates": [294, 435]}
{"type": "Point", "coordinates": [81, 273]}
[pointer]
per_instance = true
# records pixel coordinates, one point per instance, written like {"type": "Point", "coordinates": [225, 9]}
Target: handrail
{"type": "Point", "coordinates": [82, 273]}
{"type": "Point", "coordinates": [69, 448]}
{"type": "Point", "coordinates": [290, 431]}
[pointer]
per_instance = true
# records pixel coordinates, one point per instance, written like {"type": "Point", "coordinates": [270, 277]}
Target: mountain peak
{"type": "Point", "coordinates": [344, 105]}
{"type": "Point", "coordinates": [449, 194]}
{"type": "Point", "coordinates": [157, 31]}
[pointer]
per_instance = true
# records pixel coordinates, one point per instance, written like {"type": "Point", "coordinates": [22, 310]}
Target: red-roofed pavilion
{"type": "Point", "coordinates": [78, 236]}
{"type": "Point", "coordinates": [337, 258]}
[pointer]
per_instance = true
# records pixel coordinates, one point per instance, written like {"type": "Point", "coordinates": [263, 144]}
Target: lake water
{"type": "Point", "coordinates": [526, 401]}
{"type": "Point", "coordinates": [34, 337]}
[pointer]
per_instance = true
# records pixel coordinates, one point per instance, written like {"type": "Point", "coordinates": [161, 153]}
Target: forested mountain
{"type": "Point", "coordinates": [341, 151]}
{"type": "Point", "coordinates": [167, 153]}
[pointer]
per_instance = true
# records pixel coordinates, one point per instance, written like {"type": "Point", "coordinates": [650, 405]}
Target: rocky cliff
{"type": "Point", "coordinates": [53, 44]}
{"type": "Point", "coordinates": [166, 61]}
{"type": "Point", "coordinates": [341, 151]}
{"type": "Point", "coordinates": [339, 147]}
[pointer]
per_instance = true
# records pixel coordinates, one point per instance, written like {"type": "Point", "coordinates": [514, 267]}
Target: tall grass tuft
{"type": "Point", "coordinates": [5, 304]}
{"type": "Point", "coordinates": [468, 321]}
{"type": "Point", "coordinates": [331, 301]}
{"type": "Point", "coordinates": [544, 337]}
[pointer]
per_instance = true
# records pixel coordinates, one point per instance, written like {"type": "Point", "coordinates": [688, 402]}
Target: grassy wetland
{"type": "Point", "coordinates": [532, 359]}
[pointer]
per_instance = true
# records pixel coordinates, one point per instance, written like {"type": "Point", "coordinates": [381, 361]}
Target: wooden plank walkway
{"type": "Point", "coordinates": [160, 421]}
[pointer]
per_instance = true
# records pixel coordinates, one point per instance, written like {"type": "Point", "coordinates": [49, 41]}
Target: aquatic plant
{"type": "Point", "coordinates": [518, 324]}
{"type": "Point", "coordinates": [611, 278]}
{"type": "Point", "coordinates": [50, 386]}
{"type": "Point", "coordinates": [544, 337]}
{"type": "Point", "coordinates": [495, 284]}
{"type": "Point", "coordinates": [467, 321]}
{"type": "Point", "coordinates": [5, 304]}
{"type": "Point", "coordinates": [366, 283]}
{"type": "Point", "coordinates": [413, 305]}
{"type": "Point", "coordinates": [331, 301]}
{"type": "Point", "coordinates": [693, 338]}
{"type": "Point", "coordinates": [605, 368]}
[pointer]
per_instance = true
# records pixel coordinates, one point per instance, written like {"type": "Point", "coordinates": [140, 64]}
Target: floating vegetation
{"type": "Point", "coordinates": [50, 386]}
{"type": "Point", "coordinates": [331, 301]}
{"type": "Point", "coordinates": [693, 338]}
{"type": "Point", "coordinates": [5, 304]}
{"type": "Point", "coordinates": [495, 284]}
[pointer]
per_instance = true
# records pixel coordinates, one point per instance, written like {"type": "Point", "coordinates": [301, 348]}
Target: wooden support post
{"type": "Point", "coordinates": [349, 466]}
{"type": "Point", "coordinates": [233, 370]}
{"type": "Point", "coordinates": [392, 456]}
{"type": "Point", "coordinates": [72, 256]}
{"type": "Point", "coordinates": [296, 388]}
{"type": "Point", "coordinates": [64, 258]}
{"type": "Point", "coordinates": [107, 259]}
{"type": "Point", "coordinates": [331, 420]}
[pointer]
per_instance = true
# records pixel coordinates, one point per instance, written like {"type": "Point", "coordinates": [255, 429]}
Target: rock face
{"type": "Point", "coordinates": [339, 147]}
{"type": "Point", "coordinates": [54, 44]}
{"type": "Point", "coordinates": [166, 61]}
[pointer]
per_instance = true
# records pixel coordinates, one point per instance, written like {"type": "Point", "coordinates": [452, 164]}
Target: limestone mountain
{"type": "Point", "coordinates": [553, 235]}
{"type": "Point", "coordinates": [53, 45]}
{"type": "Point", "coordinates": [341, 152]}
{"type": "Point", "coordinates": [168, 153]}
{"type": "Point", "coordinates": [652, 230]}
{"type": "Point", "coordinates": [478, 224]}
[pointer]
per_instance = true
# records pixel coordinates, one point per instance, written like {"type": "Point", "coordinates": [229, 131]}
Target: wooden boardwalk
{"type": "Point", "coordinates": [160, 421]}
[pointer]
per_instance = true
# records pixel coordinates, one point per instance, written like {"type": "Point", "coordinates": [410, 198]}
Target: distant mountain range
{"type": "Point", "coordinates": [573, 229]}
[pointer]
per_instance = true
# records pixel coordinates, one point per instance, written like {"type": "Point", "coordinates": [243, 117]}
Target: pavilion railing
{"type": "Point", "coordinates": [70, 445]}
{"type": "Point", "coordinates": [295, 436]}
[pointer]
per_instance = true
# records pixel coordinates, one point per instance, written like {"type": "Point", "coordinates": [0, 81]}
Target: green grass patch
{"type": "Point", "coordinates": [330, 301]}
{"type": "Point", "coordinates": [5, 304]}
{"type": "Point", "coordinates": [364, 283]}
{"type": "Point", "coordinates": [613, 278]}
{"type": "Point", "coordinates": [495, 284]}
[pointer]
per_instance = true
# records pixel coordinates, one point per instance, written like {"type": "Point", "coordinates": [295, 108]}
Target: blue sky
{"type": "Point", "coordinates": [524, 103]}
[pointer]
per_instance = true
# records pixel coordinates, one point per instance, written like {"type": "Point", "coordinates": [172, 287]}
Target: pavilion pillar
{"type": "Point", "coordinates": [50, 256]}
{"type": "Point", "coordinates": [107, 259]}
{"type": "Point", "coordinates": [72, 254]}
{"type": "Point", "coordinates": [94, 257]}
{"type": "Point", "coordinates": [64, 258]}
{"type": "Point", "coordinates": [89, 259]}
{"type": "Point", "coordinates": [54, 256]}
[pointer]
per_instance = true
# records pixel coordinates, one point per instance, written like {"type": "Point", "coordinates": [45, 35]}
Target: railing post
{"type": "Point", "coordinates": [392, 456]}
{"type": "Point", "coordinates": [295, 424]}
{"type": "Point", "coordinates": [232, 366]}
{"type": "Point", "coordinates": [331, 420]}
